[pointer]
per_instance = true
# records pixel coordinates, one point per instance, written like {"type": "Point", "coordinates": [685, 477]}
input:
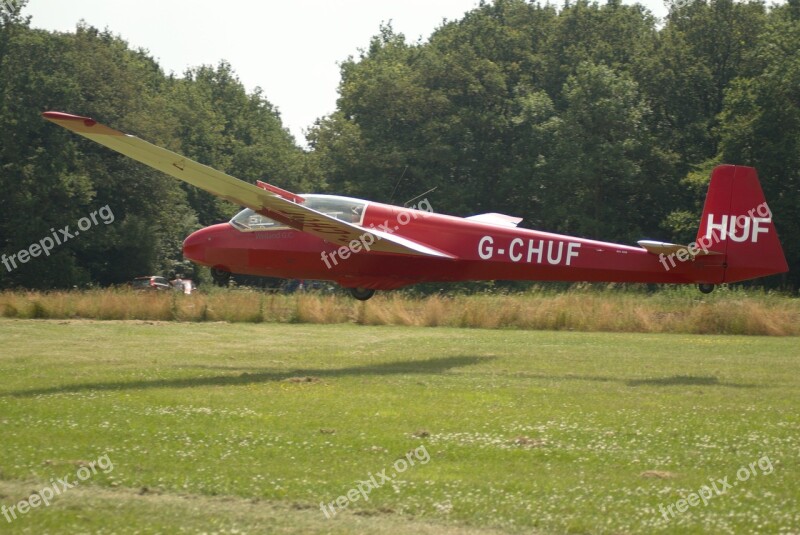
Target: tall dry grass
{"type": "Point", "coordinates": [675, 311]}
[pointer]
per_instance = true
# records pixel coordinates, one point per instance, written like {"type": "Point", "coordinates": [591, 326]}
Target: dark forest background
{"type": "Point", "coordinates": [587, 119]}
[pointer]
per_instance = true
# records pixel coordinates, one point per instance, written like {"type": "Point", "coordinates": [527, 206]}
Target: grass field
{"type": "Point", "coordinates": [248, 428]}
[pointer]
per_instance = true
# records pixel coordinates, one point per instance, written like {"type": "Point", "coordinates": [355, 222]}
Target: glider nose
{"type": "Point", "coordinates": [196, 244]}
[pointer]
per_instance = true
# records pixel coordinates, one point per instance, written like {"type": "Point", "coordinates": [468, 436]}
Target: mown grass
{"type": "Point", "coordinates": [675, 310]}
{"type": "Point", "coordinates": [245, 428]}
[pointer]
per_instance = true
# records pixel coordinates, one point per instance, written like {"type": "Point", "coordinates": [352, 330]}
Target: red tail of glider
{"type": "Point", "coordinates": [737, 222]}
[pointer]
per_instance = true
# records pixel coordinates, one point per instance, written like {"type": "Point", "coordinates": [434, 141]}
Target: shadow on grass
{"type": "Point", "coordinates": [686, 380]}
{"type": "Point", "coordinates": [675, 380]}
{"type": "Point", "coordinates": [431, 366]}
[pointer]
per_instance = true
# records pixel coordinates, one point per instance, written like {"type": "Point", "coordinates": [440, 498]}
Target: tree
{"type": "Point", "coordinates": [604, 179]}
{"type": "Point", "coordinates": [52, 178]}
{"type": "Point", "coordinates": [760, 126]}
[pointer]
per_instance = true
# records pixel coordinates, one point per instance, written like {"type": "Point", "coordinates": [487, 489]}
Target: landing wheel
{"type": "Point", "coordinates": [220, 276]}
{"type": "Point", "coordinates": [362, 294]}
{"type": "Point", "coordinates": [705, 288]}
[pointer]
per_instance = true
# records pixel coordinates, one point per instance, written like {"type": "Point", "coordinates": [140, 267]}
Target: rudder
{"type": "Point", "coordinates": [737, 222]}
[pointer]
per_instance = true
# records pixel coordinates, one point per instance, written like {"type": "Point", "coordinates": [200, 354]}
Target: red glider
{"type": "Point", "coordinates": [367, 246]}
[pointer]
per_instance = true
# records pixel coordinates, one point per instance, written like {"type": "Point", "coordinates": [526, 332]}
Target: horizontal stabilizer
{"type": "Point", "coordinates": [660, 247]}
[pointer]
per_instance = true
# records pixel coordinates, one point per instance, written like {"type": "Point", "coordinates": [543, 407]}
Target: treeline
{"type": "Point", "coordinates": [50, 178]}
{"type": "Point", "coordinates": [585, 119]}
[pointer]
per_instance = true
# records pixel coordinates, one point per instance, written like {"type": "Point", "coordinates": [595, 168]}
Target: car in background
{"type": "Point", "coordinates": [153, 282]}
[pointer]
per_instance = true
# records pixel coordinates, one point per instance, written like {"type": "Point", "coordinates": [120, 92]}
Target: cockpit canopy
{"type": "Point", "coordinates": [344, 209]}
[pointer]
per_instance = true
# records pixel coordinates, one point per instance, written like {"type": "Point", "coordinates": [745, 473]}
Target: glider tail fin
{"type": "Point", "coordinates": [737, 222]}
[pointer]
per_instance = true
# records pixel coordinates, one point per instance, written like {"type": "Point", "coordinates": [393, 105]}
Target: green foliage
{"type": "Point", "coordinates": [589, 119]}
{"type": "Point", "coordinates": [51, 178]}
{"type": "Point", "coordinates": [603, 151]}
{"type": "Point", "coordinates": [760, 125]}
